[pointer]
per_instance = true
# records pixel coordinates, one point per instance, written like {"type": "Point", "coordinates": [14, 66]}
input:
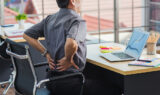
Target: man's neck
{"type": "Point", "coordinates": [72, 8]}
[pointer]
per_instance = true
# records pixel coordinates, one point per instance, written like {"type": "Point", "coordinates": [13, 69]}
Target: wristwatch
{"type": "Point", "coordinates": [44, 53]}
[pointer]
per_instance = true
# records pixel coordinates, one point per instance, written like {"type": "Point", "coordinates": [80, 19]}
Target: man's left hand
{"type": "Point", "coordinates": [64, 64]}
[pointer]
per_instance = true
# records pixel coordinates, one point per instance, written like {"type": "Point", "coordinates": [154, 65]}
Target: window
{"type": "Point", "coordinates": [100, 20]}
{"type": "Point", "coordinates": [155, 16]}
{"type": "Point", "coordinates": [132, 14]}
{"type": "Point", "coordinates": [107, 20]}
{"type": "Point", "coordinates": [13, 7]}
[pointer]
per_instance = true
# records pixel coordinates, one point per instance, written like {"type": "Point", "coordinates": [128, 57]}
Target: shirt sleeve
{"type": "Point", "coordinates": [36, 31]}
{"type": "Point", "coordinates": [77, 31]}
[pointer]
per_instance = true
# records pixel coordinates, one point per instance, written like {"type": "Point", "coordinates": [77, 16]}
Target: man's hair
{"type": "Point", "coordinates": [62, 3]}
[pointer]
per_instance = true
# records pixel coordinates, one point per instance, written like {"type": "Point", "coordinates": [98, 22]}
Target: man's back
{"type": "Point", "coordinates": [57, 28]}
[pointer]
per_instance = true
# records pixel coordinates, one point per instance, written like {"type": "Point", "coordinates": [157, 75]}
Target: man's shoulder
{"type": "Point", "coordinates": [51, 16]}
{"type": "Point", "coordinates": [75, 19]}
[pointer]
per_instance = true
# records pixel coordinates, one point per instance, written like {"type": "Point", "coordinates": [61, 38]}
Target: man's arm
{"type": "Point", "coordinates": [37, 45]}
{"type": "Point", "coordinates": [71, 47]}
{"type": "Point", "coordinates": [34, 43]}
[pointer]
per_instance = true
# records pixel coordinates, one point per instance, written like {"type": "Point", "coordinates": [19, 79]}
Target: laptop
{"type": "Point", "coordinates": [133, 50]}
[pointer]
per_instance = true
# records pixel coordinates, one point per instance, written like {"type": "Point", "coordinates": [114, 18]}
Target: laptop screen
{"type": "Point", "coordinates": [137, 42]}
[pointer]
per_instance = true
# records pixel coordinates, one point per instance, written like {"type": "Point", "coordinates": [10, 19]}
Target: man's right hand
{"type": "Point", "coordinates": [50, 61]}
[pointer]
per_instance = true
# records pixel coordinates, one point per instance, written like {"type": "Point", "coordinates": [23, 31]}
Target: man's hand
{"type": "Point", "coordinates": [50, 61]}
{"type": "Point", "coordinates": [64, 64]}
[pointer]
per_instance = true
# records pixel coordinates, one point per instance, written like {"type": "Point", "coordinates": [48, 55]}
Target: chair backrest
{"type": "Point", "coordinates": [5, 62]}
{"type": "Point", "coordinates": [3, 46]}
{"type": "Point", "coordinates": [25, 79]}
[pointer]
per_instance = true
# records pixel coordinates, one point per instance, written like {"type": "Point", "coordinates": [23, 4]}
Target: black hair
{"type": "Point", "coordinates": [62, 3]}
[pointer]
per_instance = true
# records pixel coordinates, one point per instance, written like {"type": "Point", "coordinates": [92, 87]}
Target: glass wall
{"type": "Point", "coordinates": [99, 17]}
{"type": "Point", "coordinates": [155, 16]}
{"type": "Point", "coordinates": [14, 7]}
{"type": "Point", "coordinates": [107, 20]}
{"type": "Point", "coordinates": [132, 14]}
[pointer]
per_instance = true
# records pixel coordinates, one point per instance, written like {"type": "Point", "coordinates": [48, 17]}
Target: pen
{"type": "Point", "coordinates": [9, 25]}
{"type": "Point", "coordinates": [144, 60]}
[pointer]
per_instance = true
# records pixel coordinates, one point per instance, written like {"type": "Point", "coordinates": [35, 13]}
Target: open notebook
{"type": "Point", "coordinates": [155, 63]}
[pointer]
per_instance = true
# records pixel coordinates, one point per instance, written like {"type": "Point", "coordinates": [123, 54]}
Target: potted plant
{"type": "Point", "coordinates": [21, 18]}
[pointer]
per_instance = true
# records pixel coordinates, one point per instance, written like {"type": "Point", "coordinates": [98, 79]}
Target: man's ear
{"type": "Point", "coordinates": [73, 2]}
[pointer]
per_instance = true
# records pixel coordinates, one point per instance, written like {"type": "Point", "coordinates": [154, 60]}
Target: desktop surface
{"type": "Point", "coordinates": [93, 57]}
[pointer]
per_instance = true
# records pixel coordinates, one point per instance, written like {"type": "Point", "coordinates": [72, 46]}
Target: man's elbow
{"type": "Point", "coordinates": [75, 45]}
{"type": "Point", "coordinates": [72, 44]}
{"type": "Point", "coordinates": [27, 38]}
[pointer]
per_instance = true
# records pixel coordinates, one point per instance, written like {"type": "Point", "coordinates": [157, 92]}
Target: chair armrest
{"type": "Point", "coordinates": [60, 77]}
{"type": "Point", "coordinates": [1, 43]}
{"type": "Point", "coordinates": [40, 64]}
{"type": "Point", "coordinates": [41, 82]}
{"type": "Point", "coordinates": [65, 76]}
{"type": "Point", "coordinates": [16, 55]}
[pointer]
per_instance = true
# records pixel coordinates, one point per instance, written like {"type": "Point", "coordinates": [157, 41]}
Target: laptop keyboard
{"type": "Point", "coordinates": [122, 55]}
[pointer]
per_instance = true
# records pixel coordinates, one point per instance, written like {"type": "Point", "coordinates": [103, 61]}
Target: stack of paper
{"type": "Point", "coordinates": [14, 33]}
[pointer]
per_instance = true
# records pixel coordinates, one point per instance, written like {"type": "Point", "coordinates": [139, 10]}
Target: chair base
{"type": "Point", "coordinates": [10, 82]}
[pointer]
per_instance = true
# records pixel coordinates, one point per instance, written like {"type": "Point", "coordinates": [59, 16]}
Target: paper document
{"type": "Point", "coordinates": [14, 33]}
{"type": "Point", "coordinates": [155, 63]}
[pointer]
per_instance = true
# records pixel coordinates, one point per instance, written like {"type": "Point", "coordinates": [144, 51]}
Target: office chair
{"type": "Point", "coordinates": [5, 69]}
{"type": "Point", "coordinates": [25, 82]}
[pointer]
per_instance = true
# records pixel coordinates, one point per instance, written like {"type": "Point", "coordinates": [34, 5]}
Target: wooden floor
{"type": "Point", "coordinates": [10, 92]}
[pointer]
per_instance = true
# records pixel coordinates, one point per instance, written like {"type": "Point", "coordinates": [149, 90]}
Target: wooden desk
{"type": "Point", "coordinates": [132, 80]}
{"type": "Point", "coordinates": [119, 67]}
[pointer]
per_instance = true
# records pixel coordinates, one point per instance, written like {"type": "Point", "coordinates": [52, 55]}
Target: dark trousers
{"type": "Point", "coordinates": [65, 86]}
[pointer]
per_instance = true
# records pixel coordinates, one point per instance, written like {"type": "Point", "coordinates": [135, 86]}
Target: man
{"type": "Point", "coordinates": [64, 34]}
